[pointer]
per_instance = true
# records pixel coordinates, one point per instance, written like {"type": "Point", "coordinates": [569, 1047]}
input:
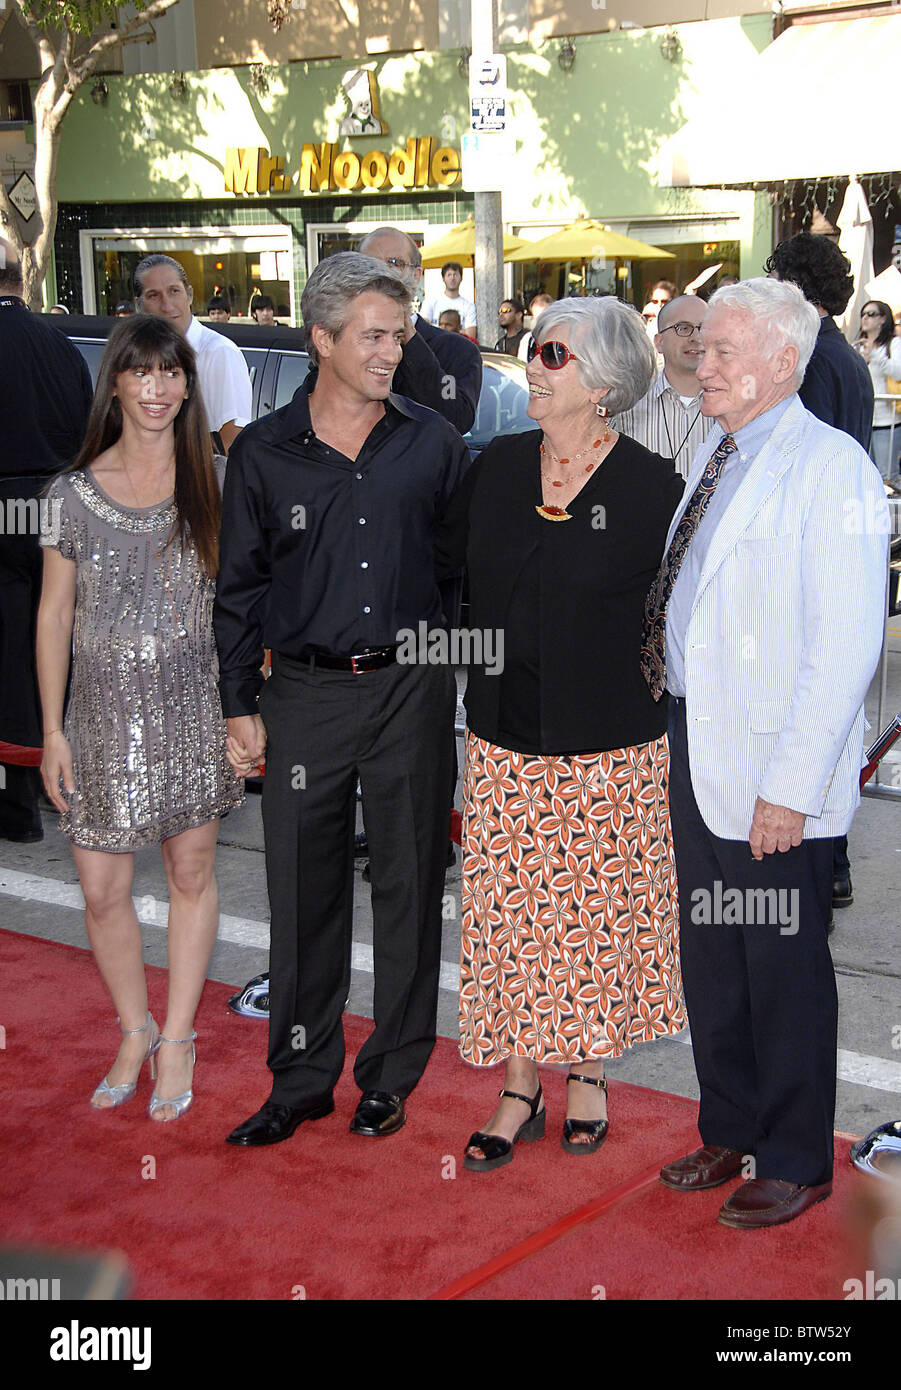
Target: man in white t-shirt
{"type": "Point", "coordinates": [451, 274]}
{"type": "Point", "coordinates": [668, 420]}
{"type": "Point", "coordinates": [162, 288]}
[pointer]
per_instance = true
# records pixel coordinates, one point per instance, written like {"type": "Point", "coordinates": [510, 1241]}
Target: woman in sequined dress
{"type": "Point", "coordinates": [129, 570]}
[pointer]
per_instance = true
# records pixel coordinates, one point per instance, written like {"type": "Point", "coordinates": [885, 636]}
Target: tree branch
{"type": "Point", "coordinates": [113, 40]}
{"type": "Point", "coordinates": [38, 37]}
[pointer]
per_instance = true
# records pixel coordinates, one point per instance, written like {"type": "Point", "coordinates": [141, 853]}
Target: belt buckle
{"type": "Point", "coordinates": [357, 670]}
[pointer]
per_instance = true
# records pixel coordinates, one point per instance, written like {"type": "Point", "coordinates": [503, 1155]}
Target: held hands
{"type": "Point", "coordinates": [774, 827]}
{"type": "Point", "coordinates": [246, 743]}
{"type": "Point", "coordinates": [55, 764]}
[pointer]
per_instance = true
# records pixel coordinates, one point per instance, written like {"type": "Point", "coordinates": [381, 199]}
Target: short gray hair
{"type": "Point", "coordinates": [612, 343]}
{"type": "Point", "coordinates": [150, 263]}
{"type": "Point", "coordinates": [780, 316]}
{"type": "Point", "coordinates": [339, 279]}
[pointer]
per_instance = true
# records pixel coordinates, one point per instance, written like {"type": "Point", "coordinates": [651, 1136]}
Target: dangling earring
{"type": "Point", "coordinates": [604, 414]}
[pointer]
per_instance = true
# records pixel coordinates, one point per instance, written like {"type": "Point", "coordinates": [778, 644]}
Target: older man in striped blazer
{"type": "Point", "coordinates": [764, 625]}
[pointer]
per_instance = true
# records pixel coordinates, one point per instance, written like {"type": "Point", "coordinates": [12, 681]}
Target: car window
{"type": "Point", "coordinates": [292, 371]}
{"type": "Point", "coordinates": [92, 352]}
{"type": "Point", "coordinates": [255, 359]}
{"type": "Point", "coordinates": [502, 404]}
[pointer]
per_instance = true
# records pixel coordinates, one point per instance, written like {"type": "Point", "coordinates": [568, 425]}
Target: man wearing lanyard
{"type": "Point", "coordinates": [668, 420]}
{"type": "Point", "coordinates": [44, 407]}
{"type": "Point", "coordinates": [326, 557]}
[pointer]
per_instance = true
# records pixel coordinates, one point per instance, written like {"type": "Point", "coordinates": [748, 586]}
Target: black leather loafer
{"type": "Point", "coordinates": [273, 1123]}
{"type": "Point", "coordinates": [378, 1115]}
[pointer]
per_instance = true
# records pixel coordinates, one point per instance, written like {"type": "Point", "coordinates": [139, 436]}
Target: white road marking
{"type": "Point", "coordinates": [153, 912]}
{"type": "Point", "coordinates": [876, 1072]}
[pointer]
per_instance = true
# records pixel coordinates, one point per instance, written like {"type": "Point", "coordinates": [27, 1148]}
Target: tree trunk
{"type": "Point", "coordinates": [50, 105]}
{"type": "Point", "coordinates": [63, 73]}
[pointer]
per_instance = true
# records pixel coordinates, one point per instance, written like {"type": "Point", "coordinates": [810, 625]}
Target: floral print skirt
{"type": "Point", "coordinates": [570, 912]}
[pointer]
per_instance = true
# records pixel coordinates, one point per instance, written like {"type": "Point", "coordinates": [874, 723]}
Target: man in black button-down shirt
{"type": "Point", "coordinates": [326, 555]}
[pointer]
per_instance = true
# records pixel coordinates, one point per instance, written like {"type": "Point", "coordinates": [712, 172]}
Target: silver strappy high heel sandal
{"type": "Point", "coordinates": [179, 1103]}
{"type": "Point", "coordinates": [125, 1090]}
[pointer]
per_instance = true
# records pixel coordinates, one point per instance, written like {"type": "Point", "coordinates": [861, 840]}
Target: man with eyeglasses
{"type": "Point", "coordinates": [438, 369]}
{"type": "Point", "coordinates": [668, 420]}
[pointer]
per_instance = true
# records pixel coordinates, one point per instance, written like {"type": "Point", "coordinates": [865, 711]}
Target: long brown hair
{"type": "Point", "coordinates": [146, 341]}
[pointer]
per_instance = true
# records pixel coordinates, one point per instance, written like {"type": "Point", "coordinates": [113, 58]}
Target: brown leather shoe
{"type": "Point", "coordinates": [707, 1167]}
{"type": "Point", "coordinates": [769, 1202]}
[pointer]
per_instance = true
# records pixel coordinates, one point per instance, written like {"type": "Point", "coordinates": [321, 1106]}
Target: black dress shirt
{"type": "Point", "coordinates": [318, 552]}
{"type": "Point", "coordinates": [568, 596]}
{"type": "Point", "coordinates": [45, 395]}
{"type": "Point", "coordinates": [837, 387]}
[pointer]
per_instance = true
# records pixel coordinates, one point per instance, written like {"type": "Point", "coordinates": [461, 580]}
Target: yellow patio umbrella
{"type": "Point", "coordinates": [459, 244]}
{"type": "Point", "coordinates": [585, 240]}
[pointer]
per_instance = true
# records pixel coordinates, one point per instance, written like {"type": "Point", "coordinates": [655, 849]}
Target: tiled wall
{"type": "Point", "coordinates": [439, 209]}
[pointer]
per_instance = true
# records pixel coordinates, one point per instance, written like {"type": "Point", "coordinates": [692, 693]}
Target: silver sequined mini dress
{"type": "Point", "coordinates": [144, 719]}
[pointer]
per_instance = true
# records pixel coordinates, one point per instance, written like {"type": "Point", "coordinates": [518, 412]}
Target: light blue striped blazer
{"type": "Point", "coordinates": [785, 631]}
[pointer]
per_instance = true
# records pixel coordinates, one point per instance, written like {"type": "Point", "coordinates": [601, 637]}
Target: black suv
{"type": "Point", "coordinates": [277, 361]}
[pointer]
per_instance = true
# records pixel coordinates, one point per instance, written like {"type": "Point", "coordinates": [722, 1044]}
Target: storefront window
{"type": "Point", "coordinates": [331, 239]}
{"type": "Point", "coordinates": [238, 276]}
{"type": "Point", "coordinates": [632, 281]}
{"type": "Point", "coordinates": [237, 266]}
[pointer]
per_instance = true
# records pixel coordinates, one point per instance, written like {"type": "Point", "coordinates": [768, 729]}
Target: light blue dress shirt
{"type": "Point", "coordinates": [749, 441]}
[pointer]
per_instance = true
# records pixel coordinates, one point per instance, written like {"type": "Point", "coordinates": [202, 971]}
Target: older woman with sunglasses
{"type": "Point", "coordinates": [569, 949]}
{"type": "Point", "coordinates": [881, 351]}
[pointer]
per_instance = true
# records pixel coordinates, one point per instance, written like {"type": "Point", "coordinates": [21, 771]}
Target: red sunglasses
{"type": "Point", "coordinates": [553, 355]}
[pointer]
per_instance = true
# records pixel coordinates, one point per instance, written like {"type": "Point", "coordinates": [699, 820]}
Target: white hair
{"type": "Point", "coordinates": [612, 343]}
{"type": "Point", "coordinates": [779, 314]}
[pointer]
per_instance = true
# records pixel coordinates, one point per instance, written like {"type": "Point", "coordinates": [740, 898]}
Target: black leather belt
{"type": "Point", "coordinates": [373, 659]}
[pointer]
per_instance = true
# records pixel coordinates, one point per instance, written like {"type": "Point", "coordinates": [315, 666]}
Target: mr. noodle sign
{"type": "Point", "coordinates": [421, 163]}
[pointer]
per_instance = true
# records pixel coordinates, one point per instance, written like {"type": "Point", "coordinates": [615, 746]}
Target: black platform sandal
{"type": "Point", "coordinates": [596, 1129]}
{"type": "Point", "coordinates": [498, 1150]}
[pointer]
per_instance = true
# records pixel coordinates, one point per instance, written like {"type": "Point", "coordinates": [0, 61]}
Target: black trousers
{"type": "Point", "coordinates": [325, 729]}
{"type": "Point", "coordinates": [20, 721]}
{"type": "Point", "coordinates": [760, 991]}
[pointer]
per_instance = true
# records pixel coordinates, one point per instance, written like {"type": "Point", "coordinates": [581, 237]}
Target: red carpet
{"type": "Point", "coordinates": [346, 1217]}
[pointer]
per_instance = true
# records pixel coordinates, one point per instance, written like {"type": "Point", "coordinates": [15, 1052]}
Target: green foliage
{"type": "Point", "coordinates": [78, 16]}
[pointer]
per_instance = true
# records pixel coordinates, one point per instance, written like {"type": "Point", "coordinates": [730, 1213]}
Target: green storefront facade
{"type": "Point", "coordinates": [249, 181]}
